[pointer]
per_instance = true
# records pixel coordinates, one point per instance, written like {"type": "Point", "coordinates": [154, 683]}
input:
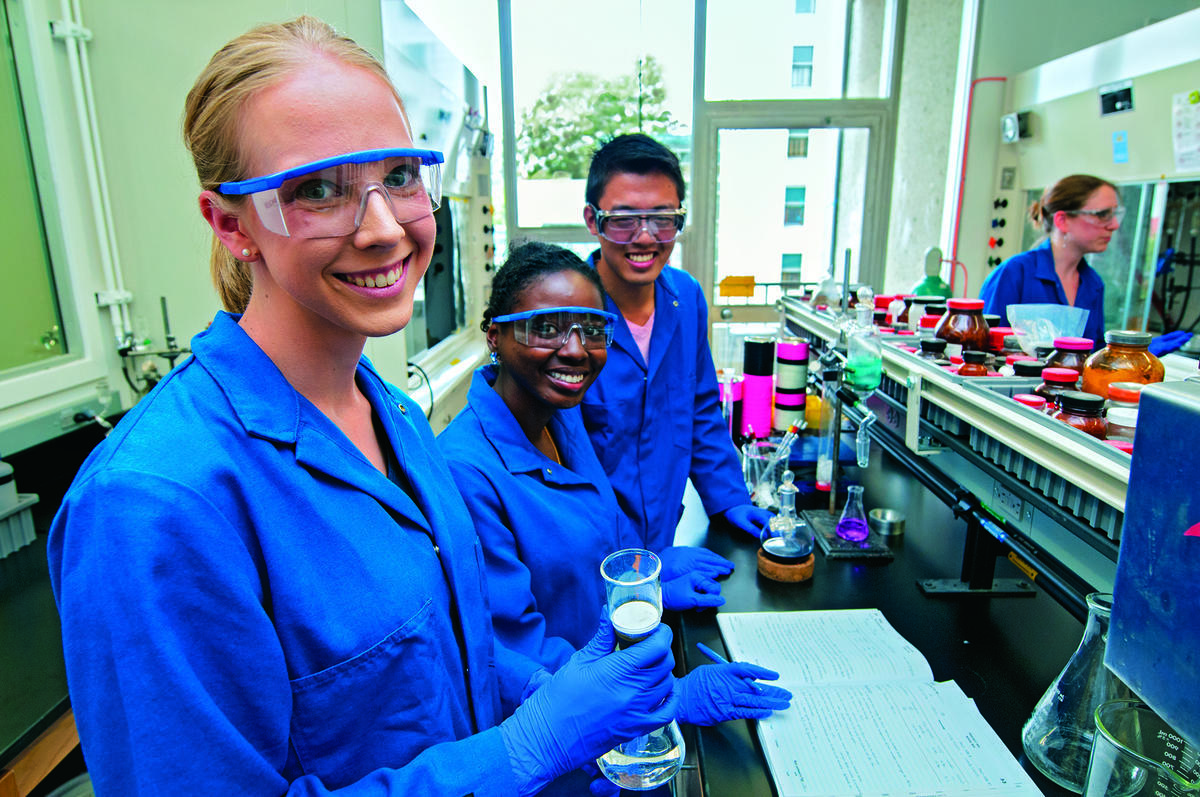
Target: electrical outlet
{"type": "Point", "coordinates": [1006, 502]}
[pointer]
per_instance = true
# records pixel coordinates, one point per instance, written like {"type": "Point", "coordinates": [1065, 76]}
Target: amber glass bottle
{"type": "Point", "coordinates": [1083, 411]}
{"type": "Point", "coordinates": [1056, 381]}
{"type": "Point", "coordinates": [1125, 358]}
{"type": "Point", "coordinates": [1070, 353]}
{"type": "Point", "coordinates": [962, 326]}
{"type": "Point", "coordinates": [974, 364]}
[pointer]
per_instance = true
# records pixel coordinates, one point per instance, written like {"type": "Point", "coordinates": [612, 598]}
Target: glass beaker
{"type": "Point", "coordinates": [634, 593]}
{"type": "Point", "coordinates": [853, 523]}
{"type": "Point", "coordinates": [1057, 738]}
{"type": "Point", "coordinates": [1135, 753]}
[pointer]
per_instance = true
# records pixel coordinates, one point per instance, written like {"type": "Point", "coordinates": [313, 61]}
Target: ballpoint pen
{"type": "Point", "coordinates": [712, 654]}
{"type": "Point", "coordinates": [717, 658]}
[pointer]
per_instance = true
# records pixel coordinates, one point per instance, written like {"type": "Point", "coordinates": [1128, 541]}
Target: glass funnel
{"type": "Point", "coordinates": [1057, 738]}
{"type": "Point", "coordinates": [634, 593]}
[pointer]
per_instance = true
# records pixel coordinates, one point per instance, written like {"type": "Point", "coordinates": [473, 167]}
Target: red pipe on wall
{"type": "Point", "coordinates": [962, 178]}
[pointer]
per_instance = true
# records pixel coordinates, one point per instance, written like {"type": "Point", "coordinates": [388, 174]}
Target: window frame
{"type": "Point", "coordinates": [788, 274]}
{"type": "Point", "coordinates": [790, 205]}
{"type": "Point", "coordinates": [802, 68]}
{"type": "Point", "coordinates": [798, 136]}
{"type": "Point", "coordinates": [877, 115]}
{"type": "Point", "coordinates": [30, 393]}
{"type": "Point", "coordinates": [697, 248]}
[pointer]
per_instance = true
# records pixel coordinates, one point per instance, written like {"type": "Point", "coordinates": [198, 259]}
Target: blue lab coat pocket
{"type": "Point", "coordinates": [339, 719]}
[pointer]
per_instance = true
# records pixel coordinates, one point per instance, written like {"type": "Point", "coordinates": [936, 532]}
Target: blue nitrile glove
{"type": "Point", "coordinates": [749, 519]}
{"type": "Point", "coordinates": [691, 591]}
{"type": "Point", "coordinates": [680, 559]}
{"type": "Point", "coordinates": [598, 699]}
{"type": "Point", "coordinates": [1165, 344]}
{"type": "Point", "coordinates": [718, 692]}
{"type": "Point", "coordinates": [600, 785]}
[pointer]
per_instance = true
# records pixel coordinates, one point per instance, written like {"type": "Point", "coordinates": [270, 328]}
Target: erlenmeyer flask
{"type": "Point", "coordinates": [634, 592]}
{"type": "Point", "coordinates": [1058, 736]}
{"type": "Point", "coordinates": [645, 762]}
{"type": "Point", "coordinates": [853, 523]}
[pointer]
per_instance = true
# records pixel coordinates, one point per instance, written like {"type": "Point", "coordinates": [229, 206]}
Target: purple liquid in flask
{"type": "Point", "coordinates": [853, 523]}
{"type": "Point", "coordinates": [853, 529]}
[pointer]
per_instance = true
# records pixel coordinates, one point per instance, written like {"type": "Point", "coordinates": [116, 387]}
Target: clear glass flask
{"type": "Point", "coordinates": [634, 594]}
{"type": "Point", "coordinates": [864, 350]}
{"type": "Point", "coordinates": [791, 537]}
{"type": "Point", "coordinates": [1058, 736]}
{"type": "Point", "coordinates": [853, 523]}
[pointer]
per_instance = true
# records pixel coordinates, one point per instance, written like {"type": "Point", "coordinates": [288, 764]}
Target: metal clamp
{"type": "Point", "coordinates": [916, 442]}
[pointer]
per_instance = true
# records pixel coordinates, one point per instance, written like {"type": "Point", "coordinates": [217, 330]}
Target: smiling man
{"type": "Point", "coordinates": [653, 414]}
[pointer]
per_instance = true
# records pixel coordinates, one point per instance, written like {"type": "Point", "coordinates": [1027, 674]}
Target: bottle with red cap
{"type": "Point", "coordinates": [1070, 353]}
{"type": "Point", "coordinates": [962, 326]}
{"type": "Point", "coordinates": [926, 324]}
{"type": "Point", "coordinates": [1055, 381]}
{"type": "Point", "coordinates": [1124, 395]}
{"type": "Point", "coordinates": [1030, 400]}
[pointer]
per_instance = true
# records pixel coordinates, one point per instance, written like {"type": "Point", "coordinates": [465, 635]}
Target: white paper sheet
{"type": "Point", "coordinates": [866, 717]}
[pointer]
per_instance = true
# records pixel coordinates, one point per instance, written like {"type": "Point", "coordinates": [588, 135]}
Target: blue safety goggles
{"type": "Point", "coordinates": [551, 327]}
{"type": "Point", "coordinates": [328, 198]}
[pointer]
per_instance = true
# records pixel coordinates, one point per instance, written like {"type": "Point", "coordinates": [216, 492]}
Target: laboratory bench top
{"type": "Point", "coordinates": [1004, 652]}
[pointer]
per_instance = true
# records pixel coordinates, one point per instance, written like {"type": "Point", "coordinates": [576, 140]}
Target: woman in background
{"type": "Point", "coordinates": [1079, 216]}
{"type": "Point", "coordinates": [264, 583]}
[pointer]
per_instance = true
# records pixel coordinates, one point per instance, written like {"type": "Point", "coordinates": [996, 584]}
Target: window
{"type": "Point", "coordinates": [30, 323]}
{"type": "Point", "coordinates": [802, 63]}
{"type": "Point", "coordinates": [797, 146]}
{"type": "Point", "coordinates": [805, 6]}
{"type": "Point", "coordinates": [793, 207]}
{"type": "Point", "coordinates": [570, 94]}
{"type": "Point", "coordinates": [790, 269]}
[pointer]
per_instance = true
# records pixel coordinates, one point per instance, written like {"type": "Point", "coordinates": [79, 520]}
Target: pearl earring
{"type": "Point", "coordinates": [245, 253]}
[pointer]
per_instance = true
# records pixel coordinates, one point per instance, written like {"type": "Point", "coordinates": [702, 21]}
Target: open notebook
{"type": "Point", "coordinates": [867, 717]}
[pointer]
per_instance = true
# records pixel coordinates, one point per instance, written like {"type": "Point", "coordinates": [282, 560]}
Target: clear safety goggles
{"type": "Point", "coordinates": [551, 327]}
{"type": "Point", "coordinates": [1103, 215]}
{"type": "Point", "coordinates": [328, 198]}
{"type": "Point", "coordinates": [623, 226]}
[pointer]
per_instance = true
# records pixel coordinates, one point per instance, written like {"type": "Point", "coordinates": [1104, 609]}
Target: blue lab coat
{"type": "Point", "coordinates": [1029, 278]}
{"type": "Point", "coordinates": [545, 527]}
{"type": "Point", "coordinates": [249, 607]}
{"type": "Point", "coordinates": [655, 424]}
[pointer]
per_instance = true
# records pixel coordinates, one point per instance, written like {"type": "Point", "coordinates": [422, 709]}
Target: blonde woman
{"type": "Point", "coordinates": [267, 581]}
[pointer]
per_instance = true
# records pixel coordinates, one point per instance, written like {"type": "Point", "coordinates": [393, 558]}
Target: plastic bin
{"type": "Point", "coordinates": [16, 525]}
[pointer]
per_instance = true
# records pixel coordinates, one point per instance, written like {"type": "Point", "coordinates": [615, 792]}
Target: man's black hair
{"type": "Point", "coordinates": [525, 265]}
{"type": "Point", "coordinates": [635, 153]}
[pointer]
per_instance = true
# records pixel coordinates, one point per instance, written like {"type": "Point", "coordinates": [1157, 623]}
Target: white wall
{"type": "Point", "coordinates": [923, 134]}
{"type": "Point", "coordinates": [1014, 36]}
